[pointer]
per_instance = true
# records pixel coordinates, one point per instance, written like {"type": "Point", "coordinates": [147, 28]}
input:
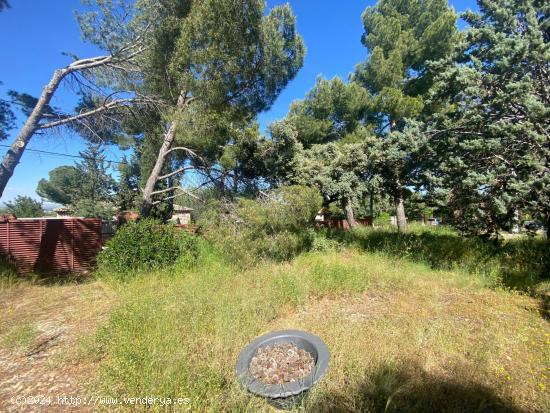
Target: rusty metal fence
{"type": "Point", "coordinates": [51, 246]}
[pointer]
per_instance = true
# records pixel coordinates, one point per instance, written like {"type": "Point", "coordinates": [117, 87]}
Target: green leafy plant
{"type": "Point", "coordinates": [146, 245]}
{"type": "Point", "coordinates": [273, 226]}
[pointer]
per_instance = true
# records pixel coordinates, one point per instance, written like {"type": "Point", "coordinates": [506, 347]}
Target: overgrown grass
{"type": "Point", "coordinates": [398, 332]}
{"type": "Point", "coordinates": [519, 263]}
{"type": "Point", "coordinates": [410, 320]}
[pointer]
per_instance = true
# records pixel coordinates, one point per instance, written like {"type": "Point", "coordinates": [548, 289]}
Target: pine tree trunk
{"type": "Point", "coordinates": [400, 213]}
{"type": "Point", "coordinates": [371, 208]}
{"type": "Point", "coordinates": [148, 191]}
{"type": "Point", "coordinates": [147, 201]}
{"type": "Point", "coordinates": [13, 155]}
{"type": "Point", "coordinates": [348, 209]}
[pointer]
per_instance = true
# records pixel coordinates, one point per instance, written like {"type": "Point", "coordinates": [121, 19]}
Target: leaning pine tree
{"type": "Point", "coordinates": [492, 142]}
{"type": "Point", "coordinates": [209, 65]}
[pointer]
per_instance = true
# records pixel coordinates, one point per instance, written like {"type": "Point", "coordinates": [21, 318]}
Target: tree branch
{"type": "Point", "coordinates": [177, 171]}
{"type": "Point", "coordinates": [118, 103]}
{"type": "Point", "coordinates": [183, 192]}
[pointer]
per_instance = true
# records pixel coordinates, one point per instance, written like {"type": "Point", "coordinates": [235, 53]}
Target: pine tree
{"type": "Point", "coordinates": [492, 141]}
{"type": "Point", "coordinates": [98, 185]}
{"type": "Point", "coordinates": [127, 194]}
{"type": "Point", "coordinates": [25, 207]}
{"type": "Point", "coordinates": [328, 123]}
{"type": "Point", "coordinates": [207, 63]}
{"type": "Point", "coordinates": [402, 36]}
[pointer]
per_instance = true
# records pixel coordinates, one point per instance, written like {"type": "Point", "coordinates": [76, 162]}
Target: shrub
{"type": "Point", "coordinates": [145, 245]}
{"type": "Point", "coordinates": [274, 226]}
{"type": "Point", "coordinates": [323, 243]}
{"type": "Point", "coordinates": [382, 219]}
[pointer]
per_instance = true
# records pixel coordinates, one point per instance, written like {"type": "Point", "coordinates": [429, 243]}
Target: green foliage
{"type": "Point", "coordinates": [516, 263]}
{"type": "Point", "coordinates": [25, 207]}
{"type": "Point", "coordinates": [89, 208]}
{"type": "Point", "coordinates": [63, 185]}
{"type": "Point", "coordinates": [322, 242]}
{"type": "Point", "coordinates": [233, 58]}
{"type": "Point", "coordinates": [97, 184]}
{"type": "Point", "coordinates": [270, 227]}
{"type": "Point", "coordinates": [371, 310]}
{"type": "Point", "coordinates": [382, 219]}
{"type": "Point", "coordinates": [331, 111]}
{"type": "Point", "coordinates": [145, 245]}
{"type": "Point", "coordinates": [491, 145]}
{"type": "Point", "coordinates": [128, 184]}
{"type": "Point", "coordinates": [340, 171]}
{"type": "Point", "coordinates": [7, 118]}
{"type": "Point", "coordinates": [87, 186]}
{"type": "Point", "coordinates": [402, 36]}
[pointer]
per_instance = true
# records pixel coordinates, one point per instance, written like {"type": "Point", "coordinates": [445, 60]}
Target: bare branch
{"type": "Point", "coordinates": [183, 192]}
{"type": "Point", "coordinates": [177, 171]}
{"type": "Point", "coordinates": [182, 148]}
{"type": "Point", "coordinates": [118, 103]}
{"type": "Point", "coordinates": [161, 191]}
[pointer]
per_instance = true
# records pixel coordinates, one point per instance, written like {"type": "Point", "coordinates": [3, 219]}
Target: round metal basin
{"type": "Point", "coordinates": [287, 394]}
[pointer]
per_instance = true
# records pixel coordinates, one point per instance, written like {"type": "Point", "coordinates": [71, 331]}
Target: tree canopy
{"type": "Point", "coordinates": [492, 140]}
{"type": "Point", "coordinates": [25, 207]}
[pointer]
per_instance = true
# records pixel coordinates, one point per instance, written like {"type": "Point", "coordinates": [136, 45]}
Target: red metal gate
{"type": "Point", "coordinates": [51, 246]}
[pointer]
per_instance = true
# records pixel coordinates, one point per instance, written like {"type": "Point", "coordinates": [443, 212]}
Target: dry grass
{"type": "Point", "coordinates": [41, 328]}
{"type": "Point", "coordinates": [403, 337]}
{"type": "Point", "coordinates": [440, 347]}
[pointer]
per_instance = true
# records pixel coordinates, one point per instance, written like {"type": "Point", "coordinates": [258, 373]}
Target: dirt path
{"type": "Point", "coordinates": [41, 330]}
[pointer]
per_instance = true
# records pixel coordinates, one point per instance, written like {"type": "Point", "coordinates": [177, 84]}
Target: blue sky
{"type": "Point", "coordinates": [35, 34]}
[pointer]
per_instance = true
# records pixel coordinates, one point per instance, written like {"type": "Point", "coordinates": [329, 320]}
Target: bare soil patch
{"type": "Point", "coordinates": [40, 329]}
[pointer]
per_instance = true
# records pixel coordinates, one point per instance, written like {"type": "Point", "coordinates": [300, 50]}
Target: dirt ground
{"type": "Point", "coordinates": [42, 329]}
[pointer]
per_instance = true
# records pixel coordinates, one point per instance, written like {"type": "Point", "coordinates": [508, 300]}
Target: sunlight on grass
{"type": "Point", "coordinates": [396, 329]}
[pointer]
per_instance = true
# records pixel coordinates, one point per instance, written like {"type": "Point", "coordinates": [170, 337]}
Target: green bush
{"type": "Point", "coordinates": [145, 245]}
{"type": "Point", "coordinates": [382, 219]}
{"type": "Point", "coordinates": [323, 243]}
{"type": "Point", "coordinates": [272, 227]}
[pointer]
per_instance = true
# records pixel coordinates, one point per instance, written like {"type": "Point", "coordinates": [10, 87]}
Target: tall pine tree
{"type": "Point", "coordinates": [402, 36]}
{"type": "Point", "coordinates": [492, 142]}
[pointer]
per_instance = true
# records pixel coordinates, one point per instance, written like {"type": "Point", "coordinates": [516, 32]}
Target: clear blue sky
{"type": "Point", "coordinates": [35, 33]}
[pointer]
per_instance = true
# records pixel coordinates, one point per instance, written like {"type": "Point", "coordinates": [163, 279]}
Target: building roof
{"type": "Point", "coordinates": [62, 208]}
{"type": "Point", "coordinates": [179, 208]}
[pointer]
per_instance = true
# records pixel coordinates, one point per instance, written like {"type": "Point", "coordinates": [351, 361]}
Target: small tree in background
{"type": "Point", "coordinates": [25, 207]}
{"type": "Point", "coordinates": [63, 186]}
{"type": "Point", "coordinates": [87, 187]}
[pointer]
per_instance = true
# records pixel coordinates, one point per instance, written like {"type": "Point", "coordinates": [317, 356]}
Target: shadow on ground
{"type": "Point", "coordinates": [410, 388]}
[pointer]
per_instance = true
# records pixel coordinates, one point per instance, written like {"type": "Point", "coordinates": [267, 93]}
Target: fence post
{"type": "Point", "coordinates": [72, 229]}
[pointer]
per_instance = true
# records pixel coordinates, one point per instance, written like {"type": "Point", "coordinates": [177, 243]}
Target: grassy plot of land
{"type": "Point", "coordinates": [403, 337]}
